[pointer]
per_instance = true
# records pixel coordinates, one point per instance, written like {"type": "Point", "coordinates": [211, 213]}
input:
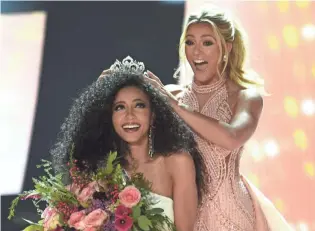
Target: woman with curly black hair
{"type": "Point", "coordinates": [122, 112]}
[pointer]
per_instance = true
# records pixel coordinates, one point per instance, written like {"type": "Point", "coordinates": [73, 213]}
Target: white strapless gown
{"type": "Point", "coordinates": [165, 203]}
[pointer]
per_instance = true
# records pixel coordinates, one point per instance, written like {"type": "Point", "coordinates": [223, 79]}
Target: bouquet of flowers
{"type": "Point", "coordinates": [105, 200]}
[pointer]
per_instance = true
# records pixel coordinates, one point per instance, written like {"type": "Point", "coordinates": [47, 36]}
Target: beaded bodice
{"type": "Point", "coordinates": [227, 206]}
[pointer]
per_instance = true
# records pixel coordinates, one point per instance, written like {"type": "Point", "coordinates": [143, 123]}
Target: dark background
{"type": "Point", "coordinates": [82, 39]}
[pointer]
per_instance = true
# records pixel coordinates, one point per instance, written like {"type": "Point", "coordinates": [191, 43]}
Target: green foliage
{"type": "Point", "coordinates": [13, 206]}
{"type": "Point", "coordinates": [136, 212]}
{"type": "Point", "coordinates": [50, 189]}
{"type": "Point", "coordinates": [34, 228]}
{"type": "Point", "coordinates": [104, 172]}
{"type": "Point", "coordinates": [144, 223]}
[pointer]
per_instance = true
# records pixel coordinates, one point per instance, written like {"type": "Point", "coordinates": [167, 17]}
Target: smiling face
{"type": "Point", "coordinates": [202, 51]}
{"type": "Point", "coordinates": [132, 115]}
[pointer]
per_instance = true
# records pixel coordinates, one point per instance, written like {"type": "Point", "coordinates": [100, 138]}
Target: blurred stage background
{"type": "Point", "coordinates": [51, 50]}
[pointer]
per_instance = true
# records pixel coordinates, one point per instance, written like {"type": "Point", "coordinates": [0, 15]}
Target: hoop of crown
{"type": "Point", "coordinates": [128, 65]}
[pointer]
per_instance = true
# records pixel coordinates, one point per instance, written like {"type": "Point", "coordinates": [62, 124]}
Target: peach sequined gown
{"type": "Point", "coordinates": [229, 205]}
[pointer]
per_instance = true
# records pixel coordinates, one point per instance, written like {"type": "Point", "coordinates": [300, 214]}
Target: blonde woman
{"type": "Point", "coordinates": [222, 105]}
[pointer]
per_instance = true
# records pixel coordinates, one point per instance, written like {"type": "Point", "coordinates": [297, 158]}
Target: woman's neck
{"type": "Point", "coordinates": [139, 153]}
{"type": "Point", "coordinates": [211, 81]}
{"type": "Point", "coordinates": [206, 89]}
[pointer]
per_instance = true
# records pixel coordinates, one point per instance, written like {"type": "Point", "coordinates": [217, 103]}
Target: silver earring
{"type": "Point", "coordinates": [151, 144]}
{"type": "Point", "coordinates": [224, 58]}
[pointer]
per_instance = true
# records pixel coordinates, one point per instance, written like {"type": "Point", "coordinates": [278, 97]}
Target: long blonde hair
{"type": "Point", "coordinates": [226, 31]}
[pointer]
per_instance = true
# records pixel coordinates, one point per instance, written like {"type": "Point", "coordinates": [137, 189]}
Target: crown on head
{"type": "Point", "coordinates": [128, 65]}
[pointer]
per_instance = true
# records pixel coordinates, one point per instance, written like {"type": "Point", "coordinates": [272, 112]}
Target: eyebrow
{"type": "Point", "coordinates": [202, 36]}
{"type": "Point", "coordinates": [135, 100]}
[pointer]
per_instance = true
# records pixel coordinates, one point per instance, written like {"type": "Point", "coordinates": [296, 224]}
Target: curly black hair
{"type": "Point", "coordinates": [89, 133]}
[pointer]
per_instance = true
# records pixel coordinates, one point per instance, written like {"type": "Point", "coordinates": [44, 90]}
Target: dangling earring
{"type": "Point", "coordinates": [224, 58]}
{"type": "Point", "coordinates": [151, 143]}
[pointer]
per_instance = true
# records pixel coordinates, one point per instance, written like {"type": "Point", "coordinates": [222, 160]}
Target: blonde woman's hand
{"type": "Point", "coordinates": [155, 81]}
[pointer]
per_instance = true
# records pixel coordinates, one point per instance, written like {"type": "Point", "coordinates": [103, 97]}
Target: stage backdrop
{"type": "Point", "coordinates": [51, 50]}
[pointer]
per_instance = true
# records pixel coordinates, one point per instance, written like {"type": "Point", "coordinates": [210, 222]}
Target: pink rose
{"type": "Point", "coordinates": [46, 212]}
{"type": "Point", "coordinates": [87, 193]}
{"type": "Point", "coordinates": [52, 219]}
{"type": "Point", "coordinates": [130, 196]}
{"type": "Point", "coordinates": [79, 225]}
{"type": "Point", "coordinates": [95, 219]}
{"type": "Point", "coordinates": [76, 220]}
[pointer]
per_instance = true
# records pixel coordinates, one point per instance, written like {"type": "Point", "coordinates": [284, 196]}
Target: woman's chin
{"type": "Point", "coordinates": [134, 140]}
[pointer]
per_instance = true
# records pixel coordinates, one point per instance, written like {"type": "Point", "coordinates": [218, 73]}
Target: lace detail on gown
{"type": "Point", "coordinates": [228, 205]}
